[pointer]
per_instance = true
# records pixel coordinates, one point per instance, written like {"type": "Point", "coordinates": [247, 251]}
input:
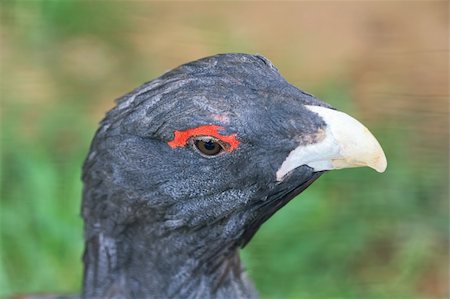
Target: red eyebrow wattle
{"type": "Point", "coordinates": [181, 138]}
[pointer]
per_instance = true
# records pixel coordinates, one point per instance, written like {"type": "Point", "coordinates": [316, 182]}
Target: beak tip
{"type": "Point", "coordinates": [380, 163]}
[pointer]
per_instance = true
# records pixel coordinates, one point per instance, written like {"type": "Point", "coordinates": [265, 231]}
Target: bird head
{"type": "Point", "coordinates": [210, 150]}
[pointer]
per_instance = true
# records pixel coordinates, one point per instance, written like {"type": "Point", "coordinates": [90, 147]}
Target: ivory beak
{"type": "Point", "coordinates": [344, 143]}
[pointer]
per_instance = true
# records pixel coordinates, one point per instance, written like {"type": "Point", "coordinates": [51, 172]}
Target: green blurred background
{"type": "Point", "coordinates": [354, 234]}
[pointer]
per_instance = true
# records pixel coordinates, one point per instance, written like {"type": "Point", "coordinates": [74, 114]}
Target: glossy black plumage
{"type": "Point", "coordinates": [164, 222]}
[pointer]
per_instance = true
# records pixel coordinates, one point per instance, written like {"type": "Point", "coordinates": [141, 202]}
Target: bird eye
{"type": "Point", "coordinates": [208, 146]}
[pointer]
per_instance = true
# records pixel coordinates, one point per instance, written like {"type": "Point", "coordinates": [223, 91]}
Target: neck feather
{"type": "Point", "coordinates": [167, 266]}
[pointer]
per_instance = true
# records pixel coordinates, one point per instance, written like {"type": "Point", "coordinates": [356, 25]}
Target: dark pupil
{"type": "Point", "coordinates": [209, 147]}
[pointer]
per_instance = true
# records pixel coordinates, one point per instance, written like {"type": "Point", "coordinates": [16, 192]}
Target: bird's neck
{"type": "Point", "coordinates": [164, 266]}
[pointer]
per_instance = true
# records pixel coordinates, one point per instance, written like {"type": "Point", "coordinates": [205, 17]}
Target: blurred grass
{"type": "Point", "coordinates": [353, 234]}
